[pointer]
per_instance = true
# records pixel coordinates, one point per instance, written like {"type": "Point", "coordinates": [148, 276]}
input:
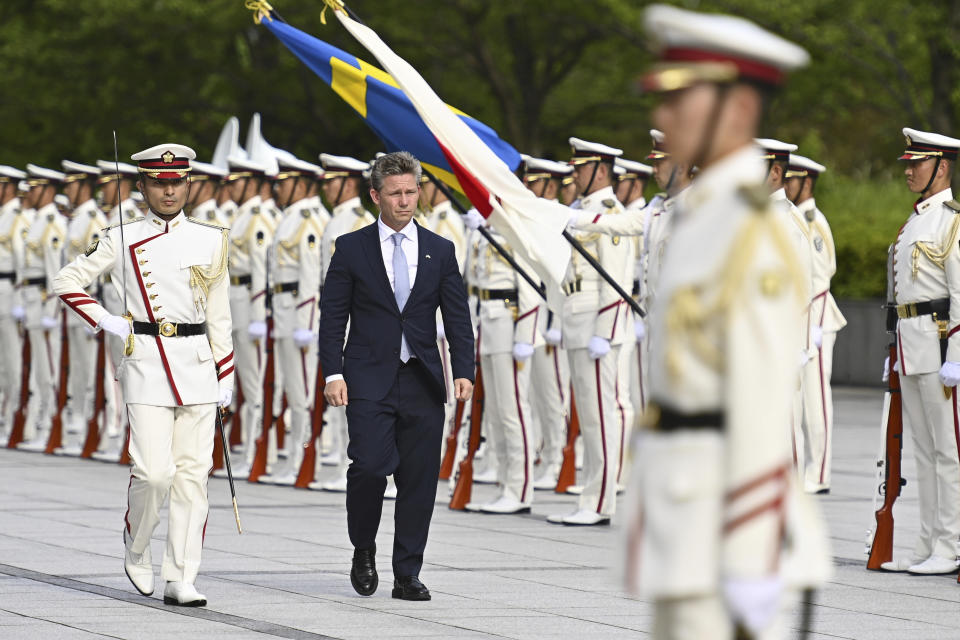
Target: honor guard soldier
{"type": "Point", "coordinates": [13, 226]}
{"type": "Point", "coordinates": [42, 259]}
{"type": "Point", "coordinates": [251, 233]}
{"type": "Point", "coordinates": [717, 538]}
{"type": "Point", "coordinates": [86, 224]}
{"type": "Point", "coordinates": [926, 288]}
{"type": "Point", "coordinates": [593, 333]}
{"type": "Point", "coordinates": [178, 363]}
{"type": "Point", "coordinates": [116, 181]}
{"type": "Point", "coordinates": [205, 182]}
{"type": "Point", "coordinates": [295, 273]}
{"type": "Point", "coordinates": [825, 321]}
{"type": "Point", "coordinates": [550, 372]}
{"type": "Point", "coordinates": [343, 181]}
{"type": "Point", "coordinates": [509, 332]}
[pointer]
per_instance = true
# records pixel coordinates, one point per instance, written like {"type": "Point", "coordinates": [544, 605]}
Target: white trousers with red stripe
{"type": "Point", "coordinates": [815, 442]}
{"type": "Point", "coordinates": [250, 358]}
{"type": "Point", "coordinates": [934, 425]}
{"type": "Point", "coordinates": [11, 371]}
{"type": "Point", "coordinates": [171, 451]}
{"type": "Point", "coordinates": [595, 393]}
{"type": "Point", "coordinates": [506, 385]}
{"type": "Point", "coordinates": [44, 352]}
{"type": "Point", "coordinates": [626, 410]}
{"type": "Point", "coordinates": [550, 401]}
{"type": "Point", "coordinates": [294, 362]}
{"type": "Point", "coordinates": [82, 346]}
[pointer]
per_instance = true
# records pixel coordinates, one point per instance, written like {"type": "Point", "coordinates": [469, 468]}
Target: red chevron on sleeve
{"type": "Point", "coordinates": [77, 300]}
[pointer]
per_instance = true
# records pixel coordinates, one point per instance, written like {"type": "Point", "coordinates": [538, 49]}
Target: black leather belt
{"type": "Point", "coordinates": [7, 275]}
{"type": "Point", "coordinates": [670, 420]}
{"type": "Point", "coordinates": [169, 329]}
{"type": "Point", "coordinates": [913, 309]}
{"type": "Point", "coordinates": [240, 281]}
{"type": "Point", "coordinates": [636, 288]}
{"type": "Point", "coordinates": [285, 287]}
{"type": "Point", "coordinates": [497, 294]}
{"type": "Point", "coordinates": [35, 282]}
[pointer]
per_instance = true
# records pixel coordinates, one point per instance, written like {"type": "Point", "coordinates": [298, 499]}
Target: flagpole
{"type": "Point", "coordinates": [486, 234]}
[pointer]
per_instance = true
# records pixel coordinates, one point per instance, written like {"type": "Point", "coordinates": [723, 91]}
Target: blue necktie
{"type": "Point", "coordinates": [401, 286]}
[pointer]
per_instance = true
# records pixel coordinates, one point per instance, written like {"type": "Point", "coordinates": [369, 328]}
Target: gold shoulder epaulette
{"type": "Point", "coordinates": [127, 222]}
{"type": "Point", "coordinates": [305, 212]}
{"type": "Point", "coordinates": [609, 203]}
{"type": "Point", "coordinates": [954, 205]}
{"type": "Point", "coordinates": [360, 211]}
{"type": "Point", "coordinates": [205, 223]}
{"type": "Point", "coordinates": [756, 195]}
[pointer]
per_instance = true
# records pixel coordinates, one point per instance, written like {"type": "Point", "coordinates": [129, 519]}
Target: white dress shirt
{"type": "Point", "coordinates": [411, 249]}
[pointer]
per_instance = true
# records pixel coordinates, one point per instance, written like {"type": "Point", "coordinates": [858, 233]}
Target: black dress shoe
{"type": "Point", "coordinates": [410, 588]}
{"type": "Point", "coordinates": [363, 574]}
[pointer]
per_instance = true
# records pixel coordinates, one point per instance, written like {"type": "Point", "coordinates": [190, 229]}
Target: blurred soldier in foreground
{"type": "Point", "coordinates": [926, 289]}
{"type": "Point", "coordinates": [205, 186]}
{"type": "Point", "coordinates": [178, 363]}
{"type": "Point", "coordinates": [825, 321]}
{"type": "Point", "coordinates": [718, 524]}
{"type": "Point", "coordinates": [12, 225]}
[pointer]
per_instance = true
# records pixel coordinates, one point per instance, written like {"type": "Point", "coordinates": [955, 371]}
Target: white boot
{"type": "Point", "coordinates": [183, 594]}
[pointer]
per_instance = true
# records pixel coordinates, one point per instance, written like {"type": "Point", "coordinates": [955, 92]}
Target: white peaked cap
{"type": "Point", "coordinates": [208, 169]}
{"type": "Point", "coordinates": [631, 166]}
{"type": "Point", "coordinates": [542, 165]}
{"type": "Point", "coordinates": [228, 144]}
{"type": "Point", "coordinates": [925, 144]}
{"type": "Point", "coordinates": [805, 164]}
{"type": "Point", "coordinates": [585, 151]}
{"type": "Point", "coordinates": [775, 149]}
{"type": "Point", "coordinates": [239, 163]}
{"type": "Point", "coordinates": [35, 171]}
{"type": "Point", "coordinates": [332, 163]}
{"type": "Point", "coordinates": [701, 47]}
{"type": "Point", "coordinates": [291, 162]}
{"type": "Point", "coordinates": [109, 166]}
{"type": "Point", "coordinates": [69, 166]}
{"type": "Point", "coordinates": [11, 172]}
{"type": "Point", "coordinates": [158, 151]}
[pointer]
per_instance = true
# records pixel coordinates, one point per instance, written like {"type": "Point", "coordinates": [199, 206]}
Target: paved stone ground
{"type": "Point", "coordinates": [61, 573]}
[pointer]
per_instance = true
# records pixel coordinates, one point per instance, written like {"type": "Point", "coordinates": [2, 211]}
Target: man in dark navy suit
{"type": "Point", "coordinates": [388, 279]}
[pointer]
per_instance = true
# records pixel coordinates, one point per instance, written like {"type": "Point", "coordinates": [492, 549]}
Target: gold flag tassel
{"type": "Point", "coordinates": [261, 9]}
{"type": "Point", "coordinates": [336, 5]}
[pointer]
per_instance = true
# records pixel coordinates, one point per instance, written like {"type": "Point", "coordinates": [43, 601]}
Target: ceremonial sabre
{"type": "Point", "coordinates": [226, 461]}
{"type": "Point", "coordinates": [128, 345]}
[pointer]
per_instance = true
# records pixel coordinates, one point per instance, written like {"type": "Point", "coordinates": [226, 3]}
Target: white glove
{"type": "Point", "coordinates": [304, 337]}
{"type": "Point", "coordinates": [226, 397]}
{"type": "Point", "coordinates": [553, 336]}
{"type": "Point", "coordinates": [950, 374]}
{"type": "Point", "coordinates": [473, 219]}
{"type": "Point", "coordinates": [18, 312]}
{"type": "Point", "coordinates": [886, 369]}
{"type": "Point", "coordinates": [598, 347]}
{"type": "Point", "coordinates": [48, 323]}
{"type": "Point", "coordinates": [116, 325]}
{"type": "Point", "coordinates": [441, 333]}
{"type": "Point", "coordinates": [522, 351]}
{"type": "Point", "coordinates": [816, 335]}
{"type": "Point", "coordinates": [574, 218]}
{"type": "Point", "coordinates": [257, 330]}
{"type": "Point", "coordinates": [753, 602]}
{"type": "Point", "coordinates": [639, 329]}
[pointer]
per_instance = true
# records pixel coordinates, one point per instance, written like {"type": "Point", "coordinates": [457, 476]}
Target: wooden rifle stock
{"type": "Point", "coordinates": [281, 425]}
{"type": "Point", "coordinates": [92, 441]}
{"type": "Point", "coordinates": [259, 465]}
{"type": "Point", "coordinates": [217, 454]}
{"type": "Point", "coordinates": [568, 469]}
{"type": "Point", "coordinates": [308, 468]}
{"type": "Point", "coordinates": [231, 417]}
{"type": "Point", "coordinates": [462, 491]}
{"type": "Point", "coordinates": [20, 417]}
{"type": "Point", "coordinates": [450, 451]}
{"type": "Point", "coordinates": [55, 437]}
{"type": "Point", "coordinates": [882, 548]}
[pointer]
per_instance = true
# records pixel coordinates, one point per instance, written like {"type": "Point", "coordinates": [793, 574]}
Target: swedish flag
{"type": "Point", "coordinates": [378, 99]}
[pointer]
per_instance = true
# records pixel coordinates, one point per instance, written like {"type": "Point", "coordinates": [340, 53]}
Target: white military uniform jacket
{"type": "Point", "coordinates": [13, 228]}
{"type": "Point", "coordinates": [83, 229]}
{"type": "Point", "coordinates": [926, 266]}
{"type": "Point", "coordinates": [250, 237]}
{"type": "Point", "coordinates": [295, 257]}
{"type": "Point", "coordinates": [176, 272]}
{"type": "Point", "coordinates": [444, 220]}
{"type": "Point", "coordinates": [803, 245]}
{"type": "Point", "coordinates": [824, 311]}
{"type": "Point", "coordinates": [503, 323]}
{"type": "Point", "coordinates": [42, 258]}
{"type": "Point", "coordinates": [208, 211]}
{"type": "Point", "coordinates": [592, 307]}
{"type": "Point", "coordinates": [713, 504]}
{"type": "Point", "coordinates": [347, 216]}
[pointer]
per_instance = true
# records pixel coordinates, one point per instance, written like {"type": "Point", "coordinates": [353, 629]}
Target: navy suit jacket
{"type": "Point", "coordinates": [356, 287]}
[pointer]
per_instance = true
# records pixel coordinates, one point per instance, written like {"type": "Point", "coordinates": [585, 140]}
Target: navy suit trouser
{"type": "Point", "coordinates": [400, 435]}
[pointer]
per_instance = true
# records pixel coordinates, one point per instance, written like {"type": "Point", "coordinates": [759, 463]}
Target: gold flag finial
{"type": "Point", "coordinates": [261, 9]}
{"type": "Point", "coordinates": [336, 5]}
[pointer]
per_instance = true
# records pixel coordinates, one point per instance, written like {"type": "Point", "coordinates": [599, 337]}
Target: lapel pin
{"type": "Point", "coordinates": [427, 256]}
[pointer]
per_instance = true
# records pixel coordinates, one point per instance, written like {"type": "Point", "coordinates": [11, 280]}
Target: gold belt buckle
{"type": "Point", "coordinates": [168, 329]}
